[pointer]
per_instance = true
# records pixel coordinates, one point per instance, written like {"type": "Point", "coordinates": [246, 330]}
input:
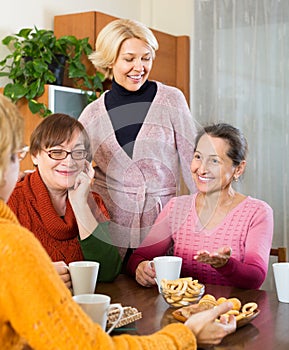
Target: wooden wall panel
{"type": "Point", "coordinates": [101, 20]}
{"type": "Point", "coordinates": [164, 67]}
{"type": "Point", "coordinates": [81, 25]}
{"type": "Point", "coordinates": [183, 65]}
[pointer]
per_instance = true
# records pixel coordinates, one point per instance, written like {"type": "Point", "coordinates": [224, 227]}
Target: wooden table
{"type": "Point", "coordinates": [268, 331]}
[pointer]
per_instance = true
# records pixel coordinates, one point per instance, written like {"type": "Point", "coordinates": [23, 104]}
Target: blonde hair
{"type": "Point", "coordinates": [11, 133]}
{"type": "Point", "coordinates": [110, 39]}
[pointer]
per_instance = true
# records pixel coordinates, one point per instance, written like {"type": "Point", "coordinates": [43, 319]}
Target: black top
{"type": "Point", "coordinates": [127, 111]}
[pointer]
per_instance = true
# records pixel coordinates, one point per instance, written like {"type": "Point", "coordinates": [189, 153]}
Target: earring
{"type": "Point", "coordinates": [235, 178]}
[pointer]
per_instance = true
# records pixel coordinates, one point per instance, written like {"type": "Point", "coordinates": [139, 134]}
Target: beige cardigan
{"type": "Point", "coordinates": [135, 189]}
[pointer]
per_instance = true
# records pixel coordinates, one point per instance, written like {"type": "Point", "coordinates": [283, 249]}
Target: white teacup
{"type": "Point", "coordinates": [168, 267]}
{"type": "Point", "coordinates": [83, 276]}
{"type": "Point", "coordinates": [281, 276]}
{"type": "Point", "coordinates": [97, 307]}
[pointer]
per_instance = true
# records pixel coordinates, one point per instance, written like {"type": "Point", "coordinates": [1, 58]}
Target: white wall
{"type": "Point", "coordinates": [171, 16]}
{"type": "Point", "coordinates": [17, 14]}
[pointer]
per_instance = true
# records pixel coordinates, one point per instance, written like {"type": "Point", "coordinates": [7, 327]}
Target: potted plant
{"type": "Point", "coordinates": [36, 58]}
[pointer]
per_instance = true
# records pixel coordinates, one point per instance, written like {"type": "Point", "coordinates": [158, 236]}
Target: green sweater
{"type": "Point", "coordinates": [97, 247]}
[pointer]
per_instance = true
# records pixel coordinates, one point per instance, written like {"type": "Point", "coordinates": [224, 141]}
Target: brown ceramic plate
{"type": "Point", "coordinates": [177, 314]}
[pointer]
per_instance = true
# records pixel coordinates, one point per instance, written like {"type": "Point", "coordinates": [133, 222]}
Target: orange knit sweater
{"type": "Point", "coordinates": [37, 309]}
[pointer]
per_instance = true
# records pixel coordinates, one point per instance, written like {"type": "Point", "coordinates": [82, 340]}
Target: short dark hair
{"type": "Point", "coordinates": [54, 130]}
{"type": "Point", "coordinates": [238, 144]}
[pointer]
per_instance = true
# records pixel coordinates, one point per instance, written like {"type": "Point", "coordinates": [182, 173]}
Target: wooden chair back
{"type": "Point", "coordinates": [280, 252]}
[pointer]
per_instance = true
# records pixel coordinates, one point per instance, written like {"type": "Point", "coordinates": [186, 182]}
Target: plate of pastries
{"type": "Point", "coordinates": [243, 313]}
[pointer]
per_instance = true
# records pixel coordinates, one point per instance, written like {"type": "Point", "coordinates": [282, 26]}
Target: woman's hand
{"type": "Point", "coordinates": [216, 259]}
{"type": "Point", "coordinates": [205, 327]}
{"type": "Point", "coordinates": [79, 193]}
{"type": "Point", "coordinates": [145, 275]}
{"type": "Point", "coordinates": [63, 272]}
{"type": "Point", "coordinates": [78, 197]}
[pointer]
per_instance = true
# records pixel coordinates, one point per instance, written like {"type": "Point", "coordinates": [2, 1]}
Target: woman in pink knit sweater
{"type": "Point", "coordinates": [223, 236]}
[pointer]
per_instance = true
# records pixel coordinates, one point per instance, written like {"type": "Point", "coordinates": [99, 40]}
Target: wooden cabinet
{"type": "Point", "coordinates": [171, 65]}
{"type": "Point", "coordinates": [30, 122]}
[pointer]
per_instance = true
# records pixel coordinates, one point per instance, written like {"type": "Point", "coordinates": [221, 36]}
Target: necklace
{"type": "Point", "coordinates": [211, 215]}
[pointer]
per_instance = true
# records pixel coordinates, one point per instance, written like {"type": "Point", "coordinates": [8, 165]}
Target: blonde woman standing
{"type": "Point", "coordinates": [142, 132]}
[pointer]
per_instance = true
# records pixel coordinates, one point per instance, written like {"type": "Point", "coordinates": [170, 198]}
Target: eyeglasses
{"type": "Point", "coordinates": [60, 154]}
{"type": "Point", "coordinates": [21, 153]}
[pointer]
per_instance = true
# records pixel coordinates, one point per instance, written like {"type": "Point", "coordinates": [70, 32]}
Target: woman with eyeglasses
{"type": "Point", "coordinates": [55, 201]}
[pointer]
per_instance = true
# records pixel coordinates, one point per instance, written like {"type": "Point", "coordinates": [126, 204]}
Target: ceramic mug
{"type": "Point", "coordinates": [97, 307]}
{"type": "Point", "coordinates": [281, 276]}
{"type": "Point", "coordinates": [168, 267]}
{"type": "Point", "coordinates": [83, 276]}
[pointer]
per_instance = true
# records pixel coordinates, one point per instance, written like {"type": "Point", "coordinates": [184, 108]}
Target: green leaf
{"type": "Point", "coordinates": [4, 74]}
{"type": "Point", "coordinates": [6, 41]}
{"type": "Point", "coordinates": [36, 107]}
{"type": "Point", "coordinates": [24, 33]}
{"type": "Point", "coordinates": [14, 91]}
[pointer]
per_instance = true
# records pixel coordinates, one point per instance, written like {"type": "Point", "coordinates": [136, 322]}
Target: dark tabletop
{"type": "Point", "coordinates": [268, 331]}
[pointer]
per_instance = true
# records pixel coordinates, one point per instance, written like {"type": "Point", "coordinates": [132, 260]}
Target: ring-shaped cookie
{"type": "Point", "coordinates": [249, 308]}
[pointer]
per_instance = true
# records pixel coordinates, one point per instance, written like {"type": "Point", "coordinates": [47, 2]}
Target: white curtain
{"type": "Point", "coordinates": [240, 75]}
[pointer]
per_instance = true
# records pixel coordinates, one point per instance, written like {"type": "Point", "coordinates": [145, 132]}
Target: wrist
{"type": "Point", "coordinates": [220, 264]}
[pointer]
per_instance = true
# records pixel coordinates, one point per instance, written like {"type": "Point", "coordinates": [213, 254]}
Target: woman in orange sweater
{"type": "Point", "coordinates": [36, 308]}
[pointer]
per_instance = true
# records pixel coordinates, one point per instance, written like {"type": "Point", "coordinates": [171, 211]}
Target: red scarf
{"type": "Point", "coordinates": [59, 235]}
